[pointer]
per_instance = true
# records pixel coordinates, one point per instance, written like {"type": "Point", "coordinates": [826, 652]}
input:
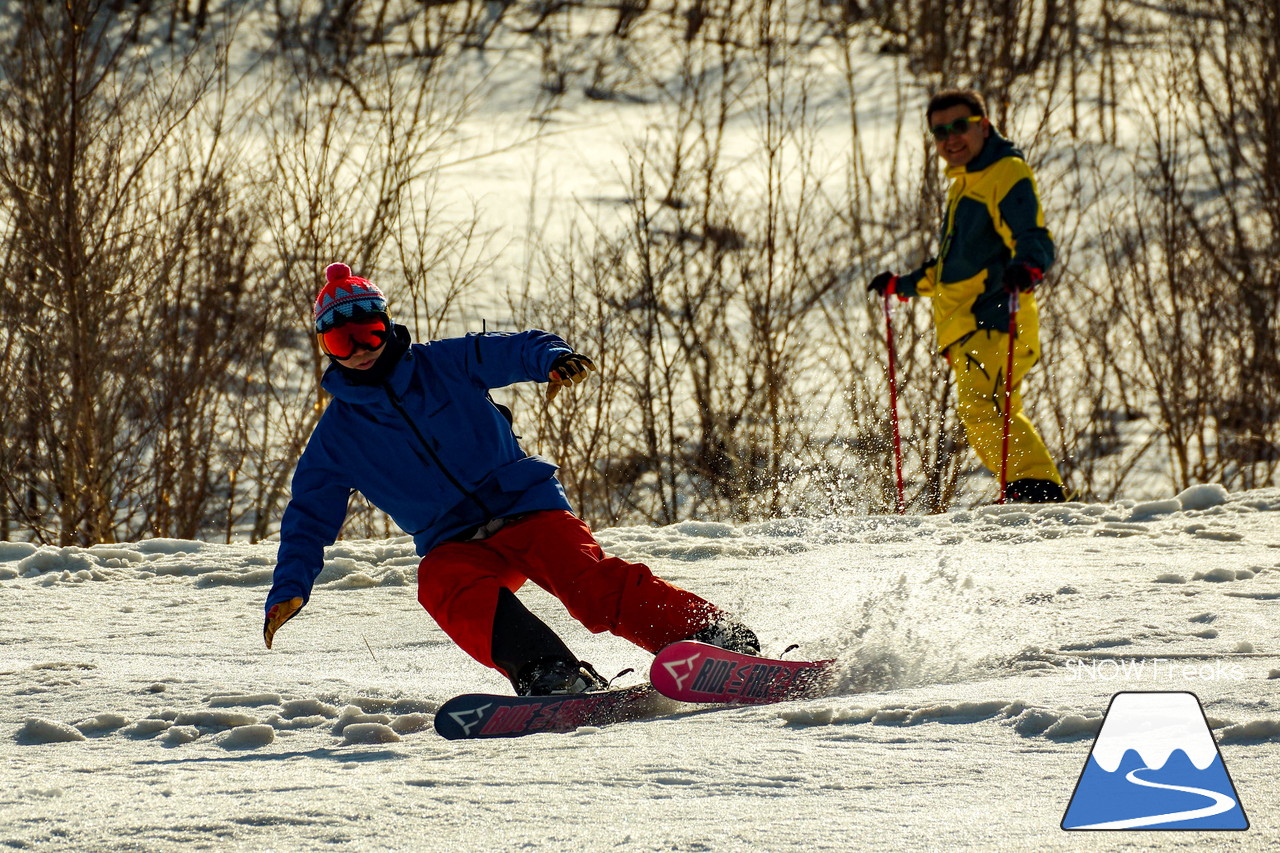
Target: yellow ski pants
{"type": "Point", "coordinates": [979, 361]}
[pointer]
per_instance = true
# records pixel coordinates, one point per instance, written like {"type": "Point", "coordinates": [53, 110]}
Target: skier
{"type": "Point", "coordinates": [993, 243]}
{"type": "Point", "coordinates": [413, 428]}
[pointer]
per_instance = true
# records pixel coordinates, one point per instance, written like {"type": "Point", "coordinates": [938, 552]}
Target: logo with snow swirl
{"type": "Point", "coordinates": [1155, 765]}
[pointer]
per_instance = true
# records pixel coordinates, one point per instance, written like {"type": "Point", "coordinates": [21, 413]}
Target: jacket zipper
{"type": "Point", "coordinates": [426, 445]}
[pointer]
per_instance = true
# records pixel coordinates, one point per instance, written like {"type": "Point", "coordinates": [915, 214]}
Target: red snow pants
{"type": "Point", "coordinates": [458, 584]}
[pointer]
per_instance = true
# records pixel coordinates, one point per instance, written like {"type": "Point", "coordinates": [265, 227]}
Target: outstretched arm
{"type": "Point", "coordinates": [498, 359]}
{"type": "Point", "coordinates": [312, 521]}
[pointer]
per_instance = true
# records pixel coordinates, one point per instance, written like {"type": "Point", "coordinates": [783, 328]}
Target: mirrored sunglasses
{"type": "Point", "coordinates": [961, 125]}
{"type": "Point", "coordinates": [344, 341]}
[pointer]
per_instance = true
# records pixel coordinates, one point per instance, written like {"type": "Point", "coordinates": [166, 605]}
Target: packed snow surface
{"type": "Point", "coordinates": [980, 649]}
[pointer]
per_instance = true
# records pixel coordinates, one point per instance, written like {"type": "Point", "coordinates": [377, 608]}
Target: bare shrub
{"type": "Point", "coordinates": [110, 197]}
{"type": "Point", "coordinates": [1194, 263]}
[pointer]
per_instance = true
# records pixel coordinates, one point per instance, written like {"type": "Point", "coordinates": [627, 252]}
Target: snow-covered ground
{"type": "Point", "coordinates": [139, 710]}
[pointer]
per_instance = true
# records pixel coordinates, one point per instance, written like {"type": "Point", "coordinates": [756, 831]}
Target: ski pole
{"type": "Point", "coordinates": [900, 504]}
{"type": "Point", "coordinates": [1008, 398]}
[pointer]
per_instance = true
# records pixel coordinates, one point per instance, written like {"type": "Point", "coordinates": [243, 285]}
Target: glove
{"type": "Point", "coordinates": [280, 613]}
{"type": "Point", "coordinates": [884, 284]}
{"type": "Point", "coordinates": [568, 369]}
{"type": "Point", "coordinates": [1019, 278]}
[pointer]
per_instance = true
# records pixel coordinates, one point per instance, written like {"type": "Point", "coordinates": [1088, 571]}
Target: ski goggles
{"type": "Point", "coordinates": [342, 342]}
{"type": "Point", "coordinates": [943, 132]}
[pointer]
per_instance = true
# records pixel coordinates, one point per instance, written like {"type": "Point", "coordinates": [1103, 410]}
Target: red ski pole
{"type": "Point", "coordinates": [900, 504]}
{"type": "Point", "coordinates": [1008, 397]}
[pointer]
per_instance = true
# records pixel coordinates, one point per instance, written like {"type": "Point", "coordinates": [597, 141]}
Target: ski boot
{"type": "Point", "coordinates": [557, 677]}
{"type": "Point", "coordinates": [729, 634]}
{"type": "Point", "coordinates": [1033, 491]}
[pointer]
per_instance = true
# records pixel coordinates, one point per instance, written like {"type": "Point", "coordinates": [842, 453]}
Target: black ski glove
{"type": "Point", "coordinates": [885, 284]}
{"type": "Point", "coordinates": [1019, 278]}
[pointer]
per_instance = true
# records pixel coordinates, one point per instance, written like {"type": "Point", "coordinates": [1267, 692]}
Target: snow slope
{"type": "Point", "coordinates": [139, 710]}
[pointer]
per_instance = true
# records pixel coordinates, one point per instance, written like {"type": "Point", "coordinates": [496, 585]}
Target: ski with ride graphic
{"type": "Point", "coordinates": [489, 715]}
{"type": "Point", "coordinates": [695, 672]}
{"type": "Point", "coordinates": [686, 671]}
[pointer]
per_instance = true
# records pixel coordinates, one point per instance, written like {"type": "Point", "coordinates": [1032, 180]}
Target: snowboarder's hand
{"type": "Point", "coordinates": [1019, 278]}
{"type": "Point", "coordinates": [885, 284]}
{"type": "Point", "coordinates": [568, 369]}
{"type": "Point", "coordinates": [280, 613]}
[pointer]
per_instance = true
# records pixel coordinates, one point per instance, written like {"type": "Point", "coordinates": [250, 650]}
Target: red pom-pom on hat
{"type": "Point", "coordinates": [337, 272]}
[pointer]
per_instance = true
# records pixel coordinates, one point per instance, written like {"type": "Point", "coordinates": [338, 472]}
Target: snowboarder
{"type": "Point", "coordinates": [413, 428]}
{"type": "Point", "coordinates": [993, 243]}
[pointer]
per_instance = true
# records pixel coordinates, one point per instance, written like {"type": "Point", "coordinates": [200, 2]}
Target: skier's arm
{"type": "Point", "coordinates": [918, 282]}
{"type": "Point", "coordinates": [311, 521]}
{"type": "Point", "coordinates": [498, 359]}
{"type": "Point", "coordinates": [1022, 216]}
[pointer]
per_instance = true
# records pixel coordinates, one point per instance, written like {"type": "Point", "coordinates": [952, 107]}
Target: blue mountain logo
{"type": "Point", "coordinates": [1155, 765]}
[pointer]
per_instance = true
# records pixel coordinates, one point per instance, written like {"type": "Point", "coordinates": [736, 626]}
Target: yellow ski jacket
{"type": "Point", "coordinates": [993, 219]}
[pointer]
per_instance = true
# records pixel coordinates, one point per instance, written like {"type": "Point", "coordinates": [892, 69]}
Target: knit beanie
{"type": "Point", "coordinates": [346, 297]}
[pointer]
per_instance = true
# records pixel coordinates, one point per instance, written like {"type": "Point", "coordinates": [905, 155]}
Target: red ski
{"type": "Point", "coordinates": [684, 672]}
{"type": "Point", "coordinates": [485, 715]}
{"type": "Point", "coordinates": [696, 672]}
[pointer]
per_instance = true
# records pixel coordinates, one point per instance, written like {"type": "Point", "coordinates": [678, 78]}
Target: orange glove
{"type": "Point", "coordinates": [280, 613]}
{"type": "Point", "coordinates": [567, 370]}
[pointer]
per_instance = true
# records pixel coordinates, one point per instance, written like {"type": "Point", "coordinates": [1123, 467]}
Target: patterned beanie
{"type": "Point", "coordinates": [346, 297]}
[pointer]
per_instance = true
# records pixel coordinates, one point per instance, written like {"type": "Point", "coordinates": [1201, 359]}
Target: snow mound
{"type": "Point", "coordinates": [214, 719]}
{"type": "Point", "coordinates": [1152, 509]}
{"type": "Point", "coordinates": [349, 565]}
{"type": "Point", "coordinates": [1223, 574]}
{"type": "Point", "coordinates": [100, 723]}
{"type": "Point", "coordinates": [1025, 719]}
{"type": "Point", "coordinates": [307, 708]}
{"type": "Point", "coordinates": [410, 723]}
{"type": "Point", "coordinates": [1203, 497]}
{"type": "Point", "coordinates": [171, 547]}
{"type": "Point", "coordinates": [247, 737]}
{"type": "Point", "coordinates": [1252, 731]}
{"type": "Point", "coordinates": [369, 733]}
{"type": "Point", "coordinates": [354, 715]}
{"type": "Point", "coordinates": [145, 728]}
{"type": "Point", "coordinates": [37, 730]}
{"type": "Point", "coordinates": [179, 735]}
{"type": "Point", "coordinates": [245, 700]}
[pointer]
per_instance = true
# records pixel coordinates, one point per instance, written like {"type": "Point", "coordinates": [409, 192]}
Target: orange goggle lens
{"type": "Point", "coordinates": [346, 340]}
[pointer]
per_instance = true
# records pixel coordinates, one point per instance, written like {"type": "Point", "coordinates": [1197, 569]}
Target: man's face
{"type": "Point", "coordinates": [959, 148]}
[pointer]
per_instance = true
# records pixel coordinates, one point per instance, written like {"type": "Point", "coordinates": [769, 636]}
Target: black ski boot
{"type": "Point", "coordinates": [557, 677]}
{"type": "Point", "coordinates": [730, 635]}
{"type": "Point", "coordinates": [1033, 491]}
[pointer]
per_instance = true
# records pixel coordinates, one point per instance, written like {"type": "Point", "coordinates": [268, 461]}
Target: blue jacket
{"type": "Point", "coordinates": [429, 447]}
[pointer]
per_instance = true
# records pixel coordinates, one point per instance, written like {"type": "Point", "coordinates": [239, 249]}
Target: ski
{"type": "Point", "coordinates": [489, 715]}
{"type": "Point", "coordinates": [695, 672]}
{"type": "Point", "coordinates": [686, 671]}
